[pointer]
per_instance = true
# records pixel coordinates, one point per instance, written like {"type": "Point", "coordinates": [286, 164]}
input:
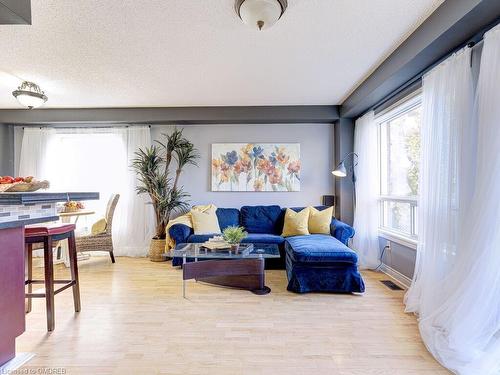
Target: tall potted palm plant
{"type": "Point", "coordinates": [158, 169]}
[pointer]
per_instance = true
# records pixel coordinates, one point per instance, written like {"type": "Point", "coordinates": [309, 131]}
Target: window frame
{"type": "Point", "coordinates": [398, 109]}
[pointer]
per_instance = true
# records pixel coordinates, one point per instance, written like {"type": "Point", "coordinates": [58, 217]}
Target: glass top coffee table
{"type": "Point", "coordinates": [242, 269]}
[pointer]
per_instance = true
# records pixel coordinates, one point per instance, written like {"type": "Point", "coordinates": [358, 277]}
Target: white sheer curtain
{"type": "Point", "coordinates": [95, 159]}
{"type": "Point", "coordinates": [447, 104]}
{"type": "Point", "coordinates": [366, 215]}
{"type": "Point", "coordinates": [456, 289]}
{"type": "Point", "coordinates": [35, 143]}
{"type": "Point", "coordinates": [135, 224]}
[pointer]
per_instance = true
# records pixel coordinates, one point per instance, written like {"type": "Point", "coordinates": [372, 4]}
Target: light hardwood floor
{"type": "Point", "coordinates": [135, 321]}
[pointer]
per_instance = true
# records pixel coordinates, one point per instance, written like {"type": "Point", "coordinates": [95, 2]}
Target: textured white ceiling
{"type": "Point", "coordinates": [119, 53]}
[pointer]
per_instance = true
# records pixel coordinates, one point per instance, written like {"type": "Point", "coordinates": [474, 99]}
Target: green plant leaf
{"type": "Point", "coordinates": [234, 234]}
{"type": "Point", "coordinates": [151, 166]}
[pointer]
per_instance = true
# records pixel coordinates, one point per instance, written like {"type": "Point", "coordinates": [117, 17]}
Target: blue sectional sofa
{"type": "Point", "coordinates": [314, 263]}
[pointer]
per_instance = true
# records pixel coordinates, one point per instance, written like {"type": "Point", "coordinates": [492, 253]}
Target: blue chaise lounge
{"type": "Point", "coordinates": [314, 263]}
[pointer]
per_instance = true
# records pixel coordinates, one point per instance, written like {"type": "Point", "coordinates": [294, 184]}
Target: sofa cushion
{"type": "Point", "coordinates": [205, 222]}
{"type": "Point", "coordinates": [228, 217]}
{"type": "Point", "coordinates": [319, 208]}
{"type": "Point", "coordinates": [296, 223]}
{"type": "Point", "coordinates": [297, 209]}
{"type": "Point", "coordinates": [320, 220]}
{"type": "Point", "coordinates": [261, 219]}
{"type": "Point", "coordinates": [319, 248]}
{"type": "Point", "coordinates": [264, 238]}
{"type": "Point", "coordinates": [200, 238]}
{"type": "Point", "coordinates": [251, 238]}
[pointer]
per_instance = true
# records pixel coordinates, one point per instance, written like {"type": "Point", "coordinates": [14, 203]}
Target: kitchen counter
{"type": "Point", "coordinates": [20, 209]}
{"type": "Point", "coordinates": [16, 211]}
{"type": "Point", "coordinates": [45, 197]}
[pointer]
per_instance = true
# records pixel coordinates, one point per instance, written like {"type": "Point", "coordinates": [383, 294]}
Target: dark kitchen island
{"type": "Point", "coordinates": [16, 211]}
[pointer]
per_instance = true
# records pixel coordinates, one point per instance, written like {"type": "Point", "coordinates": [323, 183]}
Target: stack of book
{"type": "Point", "coordinates": [216, 243]}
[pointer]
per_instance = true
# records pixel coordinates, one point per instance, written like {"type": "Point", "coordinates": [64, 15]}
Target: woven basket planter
{"type": "Point", "coordinates": [71, 209]}
{"type": "Point", "coordinates": [157, 251]}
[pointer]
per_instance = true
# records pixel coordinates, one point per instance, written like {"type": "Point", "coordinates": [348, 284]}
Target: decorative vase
{"type": "Point", "coordinates": [157, 250]}
{"type": "Point", "coordinates": [235, 247]}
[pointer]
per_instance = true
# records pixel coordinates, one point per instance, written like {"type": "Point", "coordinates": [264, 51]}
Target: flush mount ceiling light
{"type": "Point", "coordinates": [260, 14]}
{"type": "Point", "coordinates": [30, 95]}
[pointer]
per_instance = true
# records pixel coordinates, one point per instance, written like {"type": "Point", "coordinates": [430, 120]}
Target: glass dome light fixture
{"type": "Point", "coordinates": [30, 95]}
{"type": "Point", "coordinates": [260, 14]}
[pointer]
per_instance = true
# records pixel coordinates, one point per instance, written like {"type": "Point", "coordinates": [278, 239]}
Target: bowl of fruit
{"type": "Point", "coordinates": [72, 206]}
{"type": "Point", "coordinates": [21, 184]}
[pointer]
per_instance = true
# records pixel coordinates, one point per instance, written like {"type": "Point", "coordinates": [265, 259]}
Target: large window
{"type": "Point", "coordinates": [399, 152]}
{"type": "Point", "coordinates": [88, 160]}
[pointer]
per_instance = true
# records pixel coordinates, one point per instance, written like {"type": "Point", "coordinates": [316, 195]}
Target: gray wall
{"type": "Point", "coordinates": [6, 150]}
{"type": "Point", "coordinates": [316, 144]}
{"type": "Point", "coordinates": [344, 143]}
{"type": "Point", "coordinates": [399, 257]}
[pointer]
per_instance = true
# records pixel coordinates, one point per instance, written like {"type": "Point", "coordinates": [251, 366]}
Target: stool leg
{"type": "Point", "coordinates": [29, 261]}
{"type": "Point", "coordinates": [49, 282]}
{"type": "Point", "coordinates": [73, 260]}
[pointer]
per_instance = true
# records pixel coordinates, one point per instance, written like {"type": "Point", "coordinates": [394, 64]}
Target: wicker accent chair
{"type": "Point", "coordinates": [103, 241]}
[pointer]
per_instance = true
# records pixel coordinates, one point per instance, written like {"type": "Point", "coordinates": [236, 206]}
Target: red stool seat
{"type": "Point", "coordinates": [48, 230]}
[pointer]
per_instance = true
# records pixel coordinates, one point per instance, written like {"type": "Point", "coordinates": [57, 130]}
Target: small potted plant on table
{"type": "Point", "coordinates": [233, 235]}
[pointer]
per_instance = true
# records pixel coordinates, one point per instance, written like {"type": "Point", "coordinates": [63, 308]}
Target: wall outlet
{"type": "Point", "coordinates": [388, 252]}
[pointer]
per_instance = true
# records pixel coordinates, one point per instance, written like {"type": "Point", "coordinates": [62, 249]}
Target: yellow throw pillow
{"type": "Point", "coordinates": [296, 223]}
{"type": "Point", "coordinates": [205, 222]}
{"type": "Point", "coordinates": [99, 227]}
{"type": "Point", "coordinates": [319, 221]}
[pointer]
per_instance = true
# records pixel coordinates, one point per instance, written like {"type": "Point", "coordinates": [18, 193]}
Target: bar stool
{"type": "Point", "coordinates": [48, 235]}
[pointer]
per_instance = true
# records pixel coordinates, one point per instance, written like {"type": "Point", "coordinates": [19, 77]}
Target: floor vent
{"type": "Point", "coordinates": [391, 285]}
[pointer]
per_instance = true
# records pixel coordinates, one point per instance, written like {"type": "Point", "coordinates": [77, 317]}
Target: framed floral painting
{"type": "Point", "coordinates": [256, 167]}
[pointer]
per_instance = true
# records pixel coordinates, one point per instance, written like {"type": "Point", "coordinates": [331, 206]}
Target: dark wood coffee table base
{"type": "Point", "coordinates": [247, 274]}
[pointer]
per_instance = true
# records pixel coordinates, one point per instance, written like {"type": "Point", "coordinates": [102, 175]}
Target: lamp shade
{"type": "Point", "coordinates": [260, 14]}
{"type": "Point", "coordinates": [340, 171]}
{"type": "Point", "coordinates": [30, 95]}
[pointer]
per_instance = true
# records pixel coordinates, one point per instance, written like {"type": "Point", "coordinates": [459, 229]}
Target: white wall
{"type": "Point", "coordinates": [316, 147]}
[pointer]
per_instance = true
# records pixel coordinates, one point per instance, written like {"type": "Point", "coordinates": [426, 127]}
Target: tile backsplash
{"type": "Point", "coordinates": [27, 211]}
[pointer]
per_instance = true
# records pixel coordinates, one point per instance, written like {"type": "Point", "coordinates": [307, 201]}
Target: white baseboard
{"type": "Point", "coordinates": [403, 280]}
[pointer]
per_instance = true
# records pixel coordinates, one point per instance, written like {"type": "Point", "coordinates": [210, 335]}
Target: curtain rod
{"type": "Point", "coordinates": [80, 127]}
